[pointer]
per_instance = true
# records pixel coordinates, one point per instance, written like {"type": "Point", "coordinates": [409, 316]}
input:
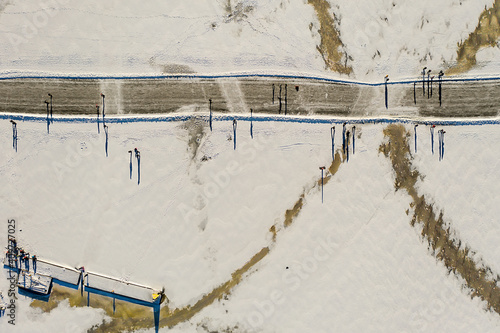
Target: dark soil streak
{"type": "Point", "coordinates": [293, 212]}
{"type": "Point", "coordinates": [441, 240]}
{"type": "Point", "coordinates": [487, 33]}
{"type": "Point", "coordinates": [331, 46]}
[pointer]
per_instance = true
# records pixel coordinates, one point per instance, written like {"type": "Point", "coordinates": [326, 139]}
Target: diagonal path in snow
{"type": "Point", "coordinates": [442, 240]}
{"type": "Point", "coordinates": [172, 317]}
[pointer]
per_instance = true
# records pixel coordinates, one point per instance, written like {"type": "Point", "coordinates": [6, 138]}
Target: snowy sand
{"type": "Point", "coordinates": [202, 210]}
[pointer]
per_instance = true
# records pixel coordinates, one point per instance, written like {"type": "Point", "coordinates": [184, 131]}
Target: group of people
{"type": "Point", "coordinates": [346, 140]}
{"type": "Point", "coordinates": [15, 254]}
{"type": "Point", "coordinates": [281, 98]}
{"type": "Point", "coordinates": [137, 154]}
{"type": "Point", "coordinates": [440, 142]}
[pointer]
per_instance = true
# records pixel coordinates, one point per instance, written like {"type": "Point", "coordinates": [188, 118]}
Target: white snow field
{"type": "Point", "coordinates": [203, 209]}
{"type": "Point", "coordinates": [61, 37]}
{"type": "Point", "coordinates": [399, 38]}
{"type": "Point", "coordinates": [467, 186]}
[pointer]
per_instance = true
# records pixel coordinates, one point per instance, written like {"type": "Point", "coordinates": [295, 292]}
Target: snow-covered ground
{"type": "Point", "coordinates": [202, 210]}
{"type": "Point", "coordinates": [112, 37]}
{"type": "Point", "coordinates": [465, 185]}
{"type": "Point", "coordinates": [399, 38]}
{"type": "Point", "coordinates": [271, 36]}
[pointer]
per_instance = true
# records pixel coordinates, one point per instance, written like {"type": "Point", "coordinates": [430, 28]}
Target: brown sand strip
{"type": "Point", "coordinates": [442, 241]}
{"type": "Point", "coordinates": [331, 44]}
{"type": "Point", "coordinates": [487, 33]}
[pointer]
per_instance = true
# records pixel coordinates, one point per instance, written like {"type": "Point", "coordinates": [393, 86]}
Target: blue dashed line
{"type": "Point", "coordinates": [289, 119]}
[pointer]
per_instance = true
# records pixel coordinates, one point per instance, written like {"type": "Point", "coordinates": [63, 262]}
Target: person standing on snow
{"type": "Point", "coordinates": [138, 157]}
{"type": "Point", "coordinates": [106, 144]}
{"type": "Point", "coordinates": [27, 261]}
{"type": "Point", "coordinates": [34, 263]}
{"type": "Point", "coordinates": [130, 166]}
{"type": "Point", "coordinates": [432, 138]}
{"type": "Point", "coordinates": [14, 134]}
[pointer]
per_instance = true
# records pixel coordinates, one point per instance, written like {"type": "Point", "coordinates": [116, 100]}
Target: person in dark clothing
{"type": "Point", "coordinates": [48, 119]}
{"type": "Point", "coordinates": [34, 262]}
{"type": "Point", "coordinates": [432, 138]}
{"type": "Point", "coordinates": [415, 132]}
{"type": "Point", "coordinates": [332, 134]}
{"type": "Point", "coordinates": [130, 167]}
{"type": "Point", "coordinates": [279, 98]}
{"type": "Point", "coordinates": [347, 145]}
{"type": "Point", "coordinates": [423, 80]}
{"type": "Point", "coordinates": [98, 115]}
{"type": "Point", "coordinates": [251, 123]}
{"type": "Point", "coordinates": [322, 182]}
{"type": "Point", "coordinates": [386, 79]}
{"type": "Point", "coordinates": [138, 157]}
{"type": "Point", "coordinates": [440, 76]}
{"type": "Point", "coordinates": [428, 83]}
{"type": "Point", "coordinates": [51, 119]}
{"type": "Point", "coordinates": [442, 143]}
{"type": "Point", "coordinates": [27, 261]}
{"type": "Point", "coordinates": [14, 135]}
{"type": "Point", "coordinates": [343, 137]}
{"type": "Point", "coordinates": [432, 79]}
{"type": "Point", "coordinates": [106, 144]}
{"type": "Point", "coordinates": [103, 114]}
{"type": "Point", "coordinates": [235, 124]}
{"type": "Point", "coordinates": [286, 99]}
{"type": "Point", "coordinates": [210, 118]}
{"type": "Point", "coordinates": [353, 140]}
{"type": "Point", "coordinates": [414, 93]}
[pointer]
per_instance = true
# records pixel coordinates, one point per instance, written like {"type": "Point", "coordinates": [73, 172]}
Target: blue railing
{"type": "Point", "coordinates": [270, 118]}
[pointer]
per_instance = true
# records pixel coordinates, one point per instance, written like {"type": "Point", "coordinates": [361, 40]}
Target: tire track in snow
{"type": "Point", "coordinates": [233, 95]}
{"type": "Point", "coordinates": [101, 14]}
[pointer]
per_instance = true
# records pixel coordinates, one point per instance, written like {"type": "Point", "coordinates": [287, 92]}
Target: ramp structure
{"type": "Point", "coordinates": [61, 275]}
{"type": "Point", "coordinates": [37, 286]}
{"type": "Point", "coordinates": [35, 279]}
{"type": "Point", "coordinates": [120, 289]}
